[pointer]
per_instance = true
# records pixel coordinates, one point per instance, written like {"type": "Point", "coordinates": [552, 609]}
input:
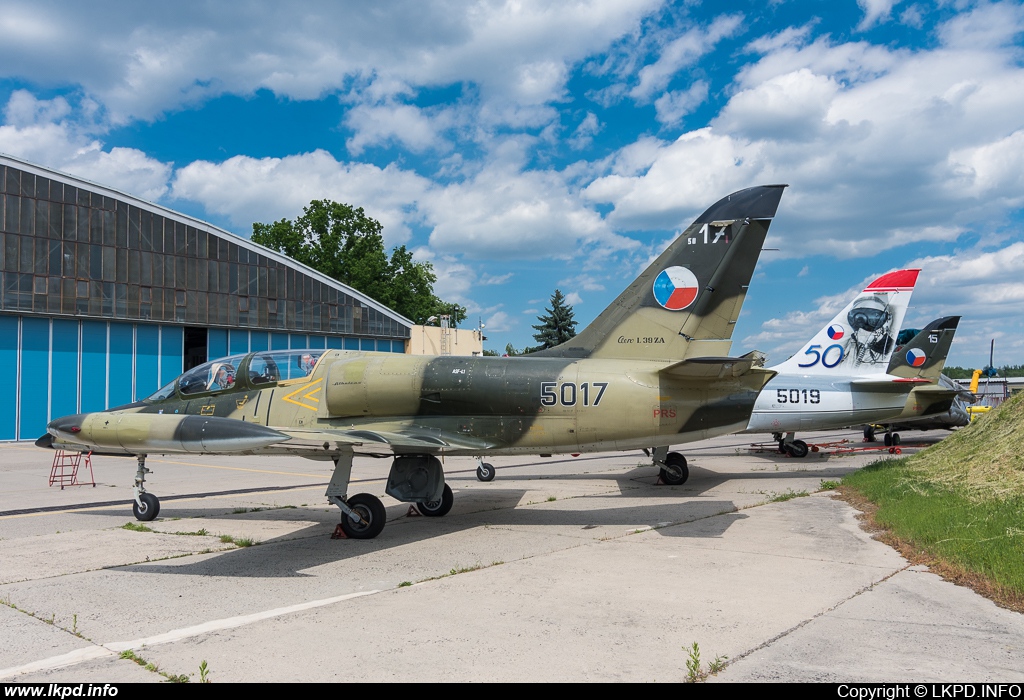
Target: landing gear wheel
{"type": "Point", "coordinates": [485, 472]}
{"type": "Point", "coordinates": [797, 448]}
{"type": "Point", "coordinates": [435, 509]}
{"type": "Point", "coordinates": [887, 439]}
{"type": "Point", "coordinates": [869, 433]}
{"type": "Point", "coordinates": [373, 515]}
{"type": "Point", "coordinates": [895, 439]}
{"type": "Point", "coordinates": [675, 472]}
{"type": "Point", "coordinates": [149, 509]}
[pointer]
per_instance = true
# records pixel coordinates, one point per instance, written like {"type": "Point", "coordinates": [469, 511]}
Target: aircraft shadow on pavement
{"type": "Point", "coordinates": [292, 554]}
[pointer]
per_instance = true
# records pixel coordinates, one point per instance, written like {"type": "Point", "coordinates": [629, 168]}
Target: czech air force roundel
{"type": "Point", "coordinates": [835, 331]}
{"type": "Point", "coordinates": [916, 357]}
{"type": "Point", "coordinates": [675, 288]}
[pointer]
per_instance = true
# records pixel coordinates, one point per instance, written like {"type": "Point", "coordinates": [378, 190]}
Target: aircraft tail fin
{"type": "Point", "coordinates": [685, 304]}
{"type": "Point", "coordinates": [861, 338]}
{"type": "Point", "coordinates": [924, 355]}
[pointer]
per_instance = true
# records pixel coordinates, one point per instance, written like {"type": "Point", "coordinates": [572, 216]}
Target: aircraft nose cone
{"type": "Point", "coordinates": [66, 427]}
{"type": "Point", "coordinates": [45, 441]}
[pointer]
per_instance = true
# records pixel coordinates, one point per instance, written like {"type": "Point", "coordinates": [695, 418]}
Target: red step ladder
{"type": "Point", "coordinates": [65, 469]}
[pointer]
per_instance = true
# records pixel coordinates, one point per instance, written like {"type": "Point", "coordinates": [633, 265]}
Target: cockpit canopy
{"type": "Point", "coordinates": [256, 370]}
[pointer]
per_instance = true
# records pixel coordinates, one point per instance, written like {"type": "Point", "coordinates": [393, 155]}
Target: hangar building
{"type": "Point", "coordinates": [106, 298]}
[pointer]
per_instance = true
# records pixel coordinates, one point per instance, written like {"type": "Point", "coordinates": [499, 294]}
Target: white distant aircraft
{"type": "Point", "coordinates": [840, 377]}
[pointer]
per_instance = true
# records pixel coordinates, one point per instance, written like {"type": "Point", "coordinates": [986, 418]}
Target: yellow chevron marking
{"type": "Point", "coordinates": [207, 410]}
{"type": "Point", "coordinates": [242, 402]}
{"type": "Point", "coordinates": [310, 395]}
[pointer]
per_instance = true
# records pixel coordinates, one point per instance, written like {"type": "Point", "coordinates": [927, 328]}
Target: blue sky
{"type": "Point", "coordinates": [524, 146]}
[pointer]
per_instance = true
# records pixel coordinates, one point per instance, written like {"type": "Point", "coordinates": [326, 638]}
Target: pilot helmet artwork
{"type": "Point", "coordinates": [870, 319]}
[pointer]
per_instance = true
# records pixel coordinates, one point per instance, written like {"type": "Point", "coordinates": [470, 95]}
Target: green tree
{"type": "Point", "coordinates": [344, 243]}
{"type": "Point", "coordinates": [556, 326]}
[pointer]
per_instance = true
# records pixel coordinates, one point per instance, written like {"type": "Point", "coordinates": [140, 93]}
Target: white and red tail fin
{"type": "Point", "coordinates": [861, 338]}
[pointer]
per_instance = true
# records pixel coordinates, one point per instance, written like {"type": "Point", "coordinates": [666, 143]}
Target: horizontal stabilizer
{"type": "Point", "coordinates": [710, 367]}
{"type": "Point", "coordinates": [891, 384]}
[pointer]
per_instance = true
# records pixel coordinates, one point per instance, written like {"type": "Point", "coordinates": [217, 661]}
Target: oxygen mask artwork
{"type": "Point", "coordinates": [871, 321]}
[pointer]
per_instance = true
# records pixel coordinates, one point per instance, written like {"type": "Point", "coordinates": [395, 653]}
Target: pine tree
{"type": "Point", "coordinates": [556, 326]}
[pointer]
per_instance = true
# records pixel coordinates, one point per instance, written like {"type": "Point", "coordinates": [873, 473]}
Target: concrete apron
{"type": "Point", "coordinates": [613, 579]}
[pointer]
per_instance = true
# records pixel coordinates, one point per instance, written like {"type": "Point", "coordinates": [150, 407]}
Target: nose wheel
{"type": "Point", "coordinates": [485, 471]}
{"type": "Point", "coordinates": [146, 506]}
{"type": "Point", "coordinates": [366, 517]}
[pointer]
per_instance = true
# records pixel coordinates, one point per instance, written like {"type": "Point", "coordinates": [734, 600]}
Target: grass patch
{"type": "Point", "coordinates": [829, 485]}
{"type": "Point", "coordinates": [957, 505]}
{"type": "Point", "coordinates": [787, 496]}
{"type": "Point", "coordinates": [198, 533]}
{"type": "Point", "coordinates": [239, 541]}
{"type": "Point", "coordinates": [130, 655]}
{"type": "Point", "coordinates": [136, 527]}
{"type": "Point", "coordinates": [970, 541]}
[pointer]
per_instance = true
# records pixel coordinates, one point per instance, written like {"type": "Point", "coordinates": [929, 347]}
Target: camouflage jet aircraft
{"type": "Point", "coordinates": [937, 404]}
{"type": "Point", "coordinates": [652, 370]}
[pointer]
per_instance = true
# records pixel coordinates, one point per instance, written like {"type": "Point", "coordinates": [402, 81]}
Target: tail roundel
{"type": "Point", "coordinates": [861, 338]}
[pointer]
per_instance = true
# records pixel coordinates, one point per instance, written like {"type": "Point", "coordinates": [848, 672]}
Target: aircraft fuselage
{"type": "Point", "coordinates": [791, 403]}
{"type": "Point", "coordinates": [454, 405]}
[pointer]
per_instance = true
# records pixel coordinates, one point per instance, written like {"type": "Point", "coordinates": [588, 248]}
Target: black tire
{"type": "Point", "coordinates": [887, 440]}
{"type": "Point", "coordinates": [675, 472]}
{"type": "Point", "coordinates": [869, 433]}
{"type": "Point", "coordinates": [895, 439]}
{"type": "Point", "coordinates": [485, 472]}
{"type": "Point", "coordinates": [372, 511]}
{"type": "Point", "coordinates": [797, 448]}
{"type": "Point", "coordinates": [149, 510]}
{"type": "Point", "coordinates": [436, 509]}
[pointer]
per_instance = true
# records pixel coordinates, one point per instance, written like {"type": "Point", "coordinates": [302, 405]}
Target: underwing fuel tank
{"type": "Point", "coordinates": [136, 433]}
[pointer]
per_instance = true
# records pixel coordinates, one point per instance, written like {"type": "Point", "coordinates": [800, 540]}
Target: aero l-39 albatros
{"type": "Point", "coordinates": [847, 375]}
{"type": "Point", "coordinates": [652, 370]}
{"type": "Point", "coordinates": [937, 404]}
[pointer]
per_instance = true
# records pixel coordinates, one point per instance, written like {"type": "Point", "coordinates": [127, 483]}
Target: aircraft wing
{"type": "Point", "coordinates": [413, 438]}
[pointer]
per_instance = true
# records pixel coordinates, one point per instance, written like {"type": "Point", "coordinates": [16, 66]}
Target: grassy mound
{"type": "Point", "coordinates": [959, 505]}
{"type": "Point", "coordinates": [985, 460]}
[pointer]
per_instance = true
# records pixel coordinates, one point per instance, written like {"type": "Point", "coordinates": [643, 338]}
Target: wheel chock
{"type": "Point", "coordinates": [413, 512]}
{"type": "Point", "coordinates": [339, 533]}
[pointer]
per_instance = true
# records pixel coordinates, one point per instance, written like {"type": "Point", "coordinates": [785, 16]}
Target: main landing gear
{"type": "Point", "coordinates": [891, 438]}
{"type": "Point", "coordinates": [146, 506]}
{"type": "Point", "coordinates": [672, 469]}
{"type": "Point", "coordinates": [791, 447]}
{"type": "Point", "coordinates": [417, 479]}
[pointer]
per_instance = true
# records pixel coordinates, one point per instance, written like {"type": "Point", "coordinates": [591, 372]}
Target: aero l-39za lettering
{"type": "Point", "coordinates": [652, 370]}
